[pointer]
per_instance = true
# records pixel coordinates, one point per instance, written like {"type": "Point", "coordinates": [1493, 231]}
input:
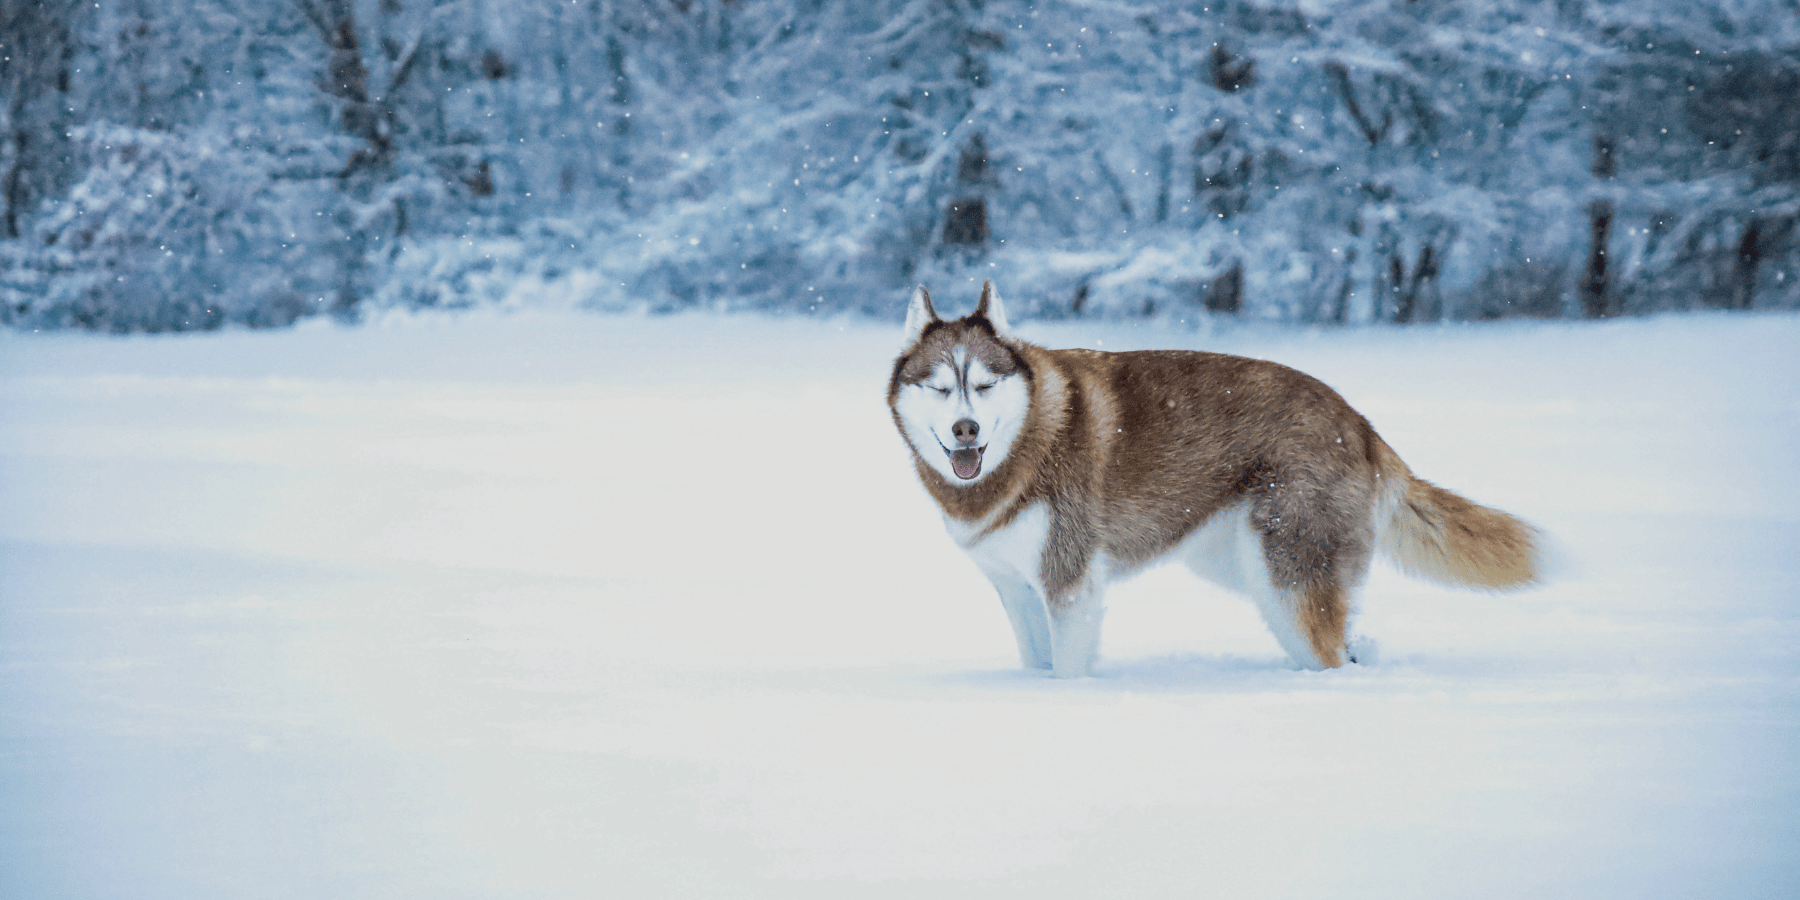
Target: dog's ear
{"type": "Point", "coordinates": [991, 309]}
{"type": "Point", "coordinates": [919, 315]}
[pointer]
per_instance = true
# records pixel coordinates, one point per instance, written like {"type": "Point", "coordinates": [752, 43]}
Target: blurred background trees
{"type": "Point", "coordinates": [258, 161]}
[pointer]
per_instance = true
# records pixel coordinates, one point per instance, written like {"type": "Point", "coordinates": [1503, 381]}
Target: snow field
{"type": "Point", "coordinates": [555, 606]}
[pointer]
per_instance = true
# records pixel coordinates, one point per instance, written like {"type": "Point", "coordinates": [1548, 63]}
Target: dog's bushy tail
{"type": "Point", "coordinates": [1437, 535]}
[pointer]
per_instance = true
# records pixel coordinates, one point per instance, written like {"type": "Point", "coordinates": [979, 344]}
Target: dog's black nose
{"type": "Point", "coordinates": [966, 431]}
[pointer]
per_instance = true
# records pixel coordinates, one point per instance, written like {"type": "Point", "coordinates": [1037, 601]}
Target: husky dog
{"type": "Point", "coordinates": [1059, 471]}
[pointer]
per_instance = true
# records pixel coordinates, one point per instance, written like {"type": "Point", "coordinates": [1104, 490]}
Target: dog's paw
{"type": "Point", "coordinates": [1363, 651]}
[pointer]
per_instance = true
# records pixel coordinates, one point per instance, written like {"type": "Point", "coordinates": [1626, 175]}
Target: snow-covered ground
{"type": "Point", "coordinates": [547, 606]}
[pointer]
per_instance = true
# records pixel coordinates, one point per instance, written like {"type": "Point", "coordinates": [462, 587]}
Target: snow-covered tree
{"type": "Point", "coordinates": [37, 46]}
{"type": "Point", "coordinates": [255, 161]}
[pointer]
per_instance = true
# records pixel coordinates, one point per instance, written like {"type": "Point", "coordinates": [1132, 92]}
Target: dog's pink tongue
{"type": "Point", "coordinates": [966, 463]}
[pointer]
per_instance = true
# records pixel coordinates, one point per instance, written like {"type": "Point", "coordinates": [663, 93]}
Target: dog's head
{"type": "Point", "coordinates": [960, 389]}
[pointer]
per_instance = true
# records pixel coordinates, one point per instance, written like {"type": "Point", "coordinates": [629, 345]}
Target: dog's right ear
{"type": "Point", "coordinates": [919, 315]}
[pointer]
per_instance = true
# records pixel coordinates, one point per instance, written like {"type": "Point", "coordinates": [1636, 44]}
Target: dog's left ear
{"type": "Point", "coordinates": [991, 309]}
{"type": "Point", "coordinates": [919, 315]}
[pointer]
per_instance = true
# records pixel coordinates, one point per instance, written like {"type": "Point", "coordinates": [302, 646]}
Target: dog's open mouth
{"type": "Point", "coordinates": [966, 463]}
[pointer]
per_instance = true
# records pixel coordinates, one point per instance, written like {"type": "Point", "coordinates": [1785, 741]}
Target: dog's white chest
{"type": "Point", "coordinates": [1017, 547]}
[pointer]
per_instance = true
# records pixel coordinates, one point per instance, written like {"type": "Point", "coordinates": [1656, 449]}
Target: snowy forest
{"type": "Point", "coordinates": [505, 505]}
{"type": "Point", "coordinates": [254, 162]}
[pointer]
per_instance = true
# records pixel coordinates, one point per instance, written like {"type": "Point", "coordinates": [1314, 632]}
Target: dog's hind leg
{"type": "Point", "coordinates": [1282, 610]}
{"type": "Point", "coordinates": [1030, 623]}
{"type": "Point", "coordinates": [1310, 613]}
{"type": "Point", "coordinates": [1229, 551]}
{"type": "Point", "coordinates": [1313, 562]}
{"type": "Point", "coordinates": [1309, 621]}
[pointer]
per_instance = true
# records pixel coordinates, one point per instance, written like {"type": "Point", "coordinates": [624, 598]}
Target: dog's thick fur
{"type": "Point", "coordinates": [1060, 470]}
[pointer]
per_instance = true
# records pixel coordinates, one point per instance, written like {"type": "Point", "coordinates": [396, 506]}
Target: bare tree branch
{"type": "Point", "coordinates": [405, 69]}
{"type": "Point", "coordinates": [1340, 78]}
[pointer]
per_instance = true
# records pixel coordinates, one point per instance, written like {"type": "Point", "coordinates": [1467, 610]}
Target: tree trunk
{"type": "Point", "coordinates": [1225, 294]}
{"type": "Point", "coordinates": [966, 222]}
{"type": "Point", "coordinates": [1749, 254]}
{"type": "Point", "coordinates": [1595, 302]}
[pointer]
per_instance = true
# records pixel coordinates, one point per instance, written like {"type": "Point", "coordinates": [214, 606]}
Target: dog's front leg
{"type": "Point", "coordinates": [1075, 629]}
{"type": "Point", "coordinates": [1025, 610]}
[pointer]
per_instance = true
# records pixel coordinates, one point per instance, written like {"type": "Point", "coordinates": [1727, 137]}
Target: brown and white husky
{"type": "Point", "coordinates": [1059, 471]}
